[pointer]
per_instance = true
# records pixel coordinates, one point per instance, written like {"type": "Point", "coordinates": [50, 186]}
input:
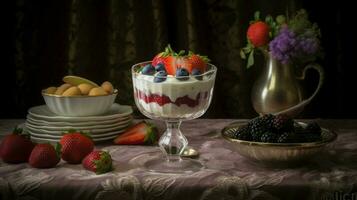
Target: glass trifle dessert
{"type": "Point", "coordinates": [174, 87]}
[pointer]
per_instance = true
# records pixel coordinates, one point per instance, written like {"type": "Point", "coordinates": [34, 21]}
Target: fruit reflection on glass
{"type": "Point", "coordinates": [173, 87]}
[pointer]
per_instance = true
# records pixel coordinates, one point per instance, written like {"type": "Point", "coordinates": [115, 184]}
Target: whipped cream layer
{"type": "Point", "coordinates": [173, 98]}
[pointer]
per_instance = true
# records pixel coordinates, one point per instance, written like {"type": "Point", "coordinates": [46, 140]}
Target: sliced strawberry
{"type": "Point", "coordinates": [141, 133]}
{"type": "Point", "coordinates": [194, 61]}
{"type": "Point", "coordinates": [159, 58]}
{"type": "Point", "coordinates": [168, 58]}
{"type": "Point", "coordinates": [135, 138]}
{"type": "Point", "coordinates": [172, 61]}
{"type": "Point", "coordinates": [170, 65]}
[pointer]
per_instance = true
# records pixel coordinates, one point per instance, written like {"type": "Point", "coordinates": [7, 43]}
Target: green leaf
{"type": "Point", "coordinates": [281, 19]}
{"type": "Point", "coordinates": [250, 45]}
{"type": "Point", "coordinates": [104, 164]}
{"type": "Point", "coordinates": [257, 15]}
{"type": "Point", "coordinates": [242, 54]}
{"type": "Point", "coordinates": [58, 149]}
{"type": "Point", "coordinates": [17, 130]}
{"type": "Point", "coordinates": [152, 134]}
{"type": "Point", "coordinates": [69, 131]}
{"type": "Point", "coordinates": [269, 19]}
{"type": "Point", "coordinates": [181, 53]}
{"type": "Point", "coordinates": [204, 58]}
{"type": "Point", "coordinates": [250, 59]}
{"type": "Point", "coordinates": [87, 134]}
{"type": "Point", "coordinates": [247, 49]}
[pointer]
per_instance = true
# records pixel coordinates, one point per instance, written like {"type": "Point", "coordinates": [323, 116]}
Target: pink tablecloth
{"type": "Point", "coordinates": [227, 175]}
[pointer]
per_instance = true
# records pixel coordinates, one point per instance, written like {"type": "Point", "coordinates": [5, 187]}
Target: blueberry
{"type": "Point", "coordinates": [182, 74]}
{"type": "Point", "coordinates": [148, 70]}
{"type": "Point", "coordinates": [196, 72]}
{"type": "Point", "coordinates": [160, 67]}
{"type": "Point", "coordinates": [160, 76]}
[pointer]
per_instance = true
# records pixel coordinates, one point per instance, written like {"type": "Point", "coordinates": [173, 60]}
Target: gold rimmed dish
{"type": "Point", "coordinates": [278, 152]}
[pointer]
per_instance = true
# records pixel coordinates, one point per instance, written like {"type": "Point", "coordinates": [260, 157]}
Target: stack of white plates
{"type": "Point", "coordinates": [45, 126]}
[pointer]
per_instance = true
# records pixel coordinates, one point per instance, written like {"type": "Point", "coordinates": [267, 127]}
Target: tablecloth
{"type": "Point", "coordinates": [227, 175]}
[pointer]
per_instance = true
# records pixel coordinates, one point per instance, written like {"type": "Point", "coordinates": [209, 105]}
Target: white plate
{"type": "Point", "coordinates": [45, 140]}
{"type": "Point", "coordinates": [36, 121]}
{"type": "Point", "coordinates": [116, 111]}
{"type": "Point", "coordinates": [94, 137]}
{"type": "Point", "coordinates": [91, 131]}
{"type": "Point", "coordinates": [92, 127]}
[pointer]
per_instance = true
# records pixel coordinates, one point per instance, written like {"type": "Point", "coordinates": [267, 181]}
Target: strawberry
{"type": "Point", "coordinates": [159, 58]}
{"type": "Point", "coordinates": [168, 58]}
{"type": "Point", "coordinates": [172, 61]}
{"type": "Point", "coordinates": [45, 156]}
{"type": "Point", "coordinates": [98, 161]}
{"type": "Point", "coordinates": [140, 133]}
{"type": "Point", "coordinates": [15, 148]}
{"type": "Point", "coordinates": [194, 61]}
{"type": "Point", "coordinates": [170, 65]}
{"type": "Point", "coordinates": [75, 146]}
{"type": "Point", "coordinates": [258, 33]}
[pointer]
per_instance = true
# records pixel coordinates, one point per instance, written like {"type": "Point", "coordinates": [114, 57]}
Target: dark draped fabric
{"type": "Point", "coordinates": [102, 39]}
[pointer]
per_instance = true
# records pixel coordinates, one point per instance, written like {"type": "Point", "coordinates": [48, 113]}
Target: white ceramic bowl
{"type": "Point", "coordinates": [79, 106]}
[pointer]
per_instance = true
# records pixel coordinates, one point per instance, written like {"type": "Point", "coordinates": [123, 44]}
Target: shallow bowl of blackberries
{"type": "Point", "coordinates": [288, 148]}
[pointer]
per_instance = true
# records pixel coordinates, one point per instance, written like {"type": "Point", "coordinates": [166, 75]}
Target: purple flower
{"type": "Point", "coordinates": [287, 46]}
{"type": "Point", "coordinates": [282, 45]}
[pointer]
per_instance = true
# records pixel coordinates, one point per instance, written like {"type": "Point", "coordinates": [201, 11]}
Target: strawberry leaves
{"type": "Point", "coordinates": [152, 137]}
{"type": "Point", "coordinates": [104, 164]}
{"type": "Point", "coordinates": [248, 50]}
{"type": "Point", "coordinates": [71, 131]}
{"type": "Point", "coordinates": [17, 130]}
{"type": "Point", "coordinates": [173, 60]}
{"type": "Point", "coordinates": [58, 149]}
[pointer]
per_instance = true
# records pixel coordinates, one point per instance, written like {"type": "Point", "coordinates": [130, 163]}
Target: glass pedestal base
{"type": "Point", "coordinates": [179, 166]}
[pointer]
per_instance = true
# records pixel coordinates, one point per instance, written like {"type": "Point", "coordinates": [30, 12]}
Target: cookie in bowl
{"type": "Point", "coordinates": [78, 96]}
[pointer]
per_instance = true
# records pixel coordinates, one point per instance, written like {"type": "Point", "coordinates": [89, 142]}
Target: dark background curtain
{"type": "Point", "coordinates": [102, 39]}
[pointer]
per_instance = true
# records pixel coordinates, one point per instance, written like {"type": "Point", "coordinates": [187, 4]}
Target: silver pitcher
{"type": "Point", "coordinates": [278, 91]}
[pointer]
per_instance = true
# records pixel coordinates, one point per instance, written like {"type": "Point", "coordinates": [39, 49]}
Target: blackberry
{"type": "Point", "coordinates": [268, 120]}
{"type": "Point", "coordinates": [283, 123]}
{"type": "Point", "coordinates": [288, 137]}
{"type": "Point", "coordinates": [269, 137]}
{"type": "Point", "coordinates": [313, 128]}
{"type": "Point", "coordinates": [257, 127]}
{"type": "Point", "coordinates": [257, 120]}
{"type": "Point", "coordinates": [242, 133]}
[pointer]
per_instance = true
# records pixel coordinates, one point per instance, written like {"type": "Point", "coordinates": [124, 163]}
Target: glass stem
{"type": "Point", "coordinates": [172, 143]}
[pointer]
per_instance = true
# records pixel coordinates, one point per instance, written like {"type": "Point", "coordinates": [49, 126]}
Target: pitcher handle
{"type": "Point", "coordinates": [318, 68]}
{"type": "Point", "coordinates": [321, 72]}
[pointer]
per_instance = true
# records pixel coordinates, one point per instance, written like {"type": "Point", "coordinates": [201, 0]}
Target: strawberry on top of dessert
{"type": "Point", "coordinates": [170, 61]}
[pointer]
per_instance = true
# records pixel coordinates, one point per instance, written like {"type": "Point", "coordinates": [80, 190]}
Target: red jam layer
{"type": "Point", "coordinates": [162, 100]}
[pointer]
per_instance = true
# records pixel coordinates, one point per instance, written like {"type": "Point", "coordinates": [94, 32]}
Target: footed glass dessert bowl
{"type": "Point", "coordinates": [173, 98]}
